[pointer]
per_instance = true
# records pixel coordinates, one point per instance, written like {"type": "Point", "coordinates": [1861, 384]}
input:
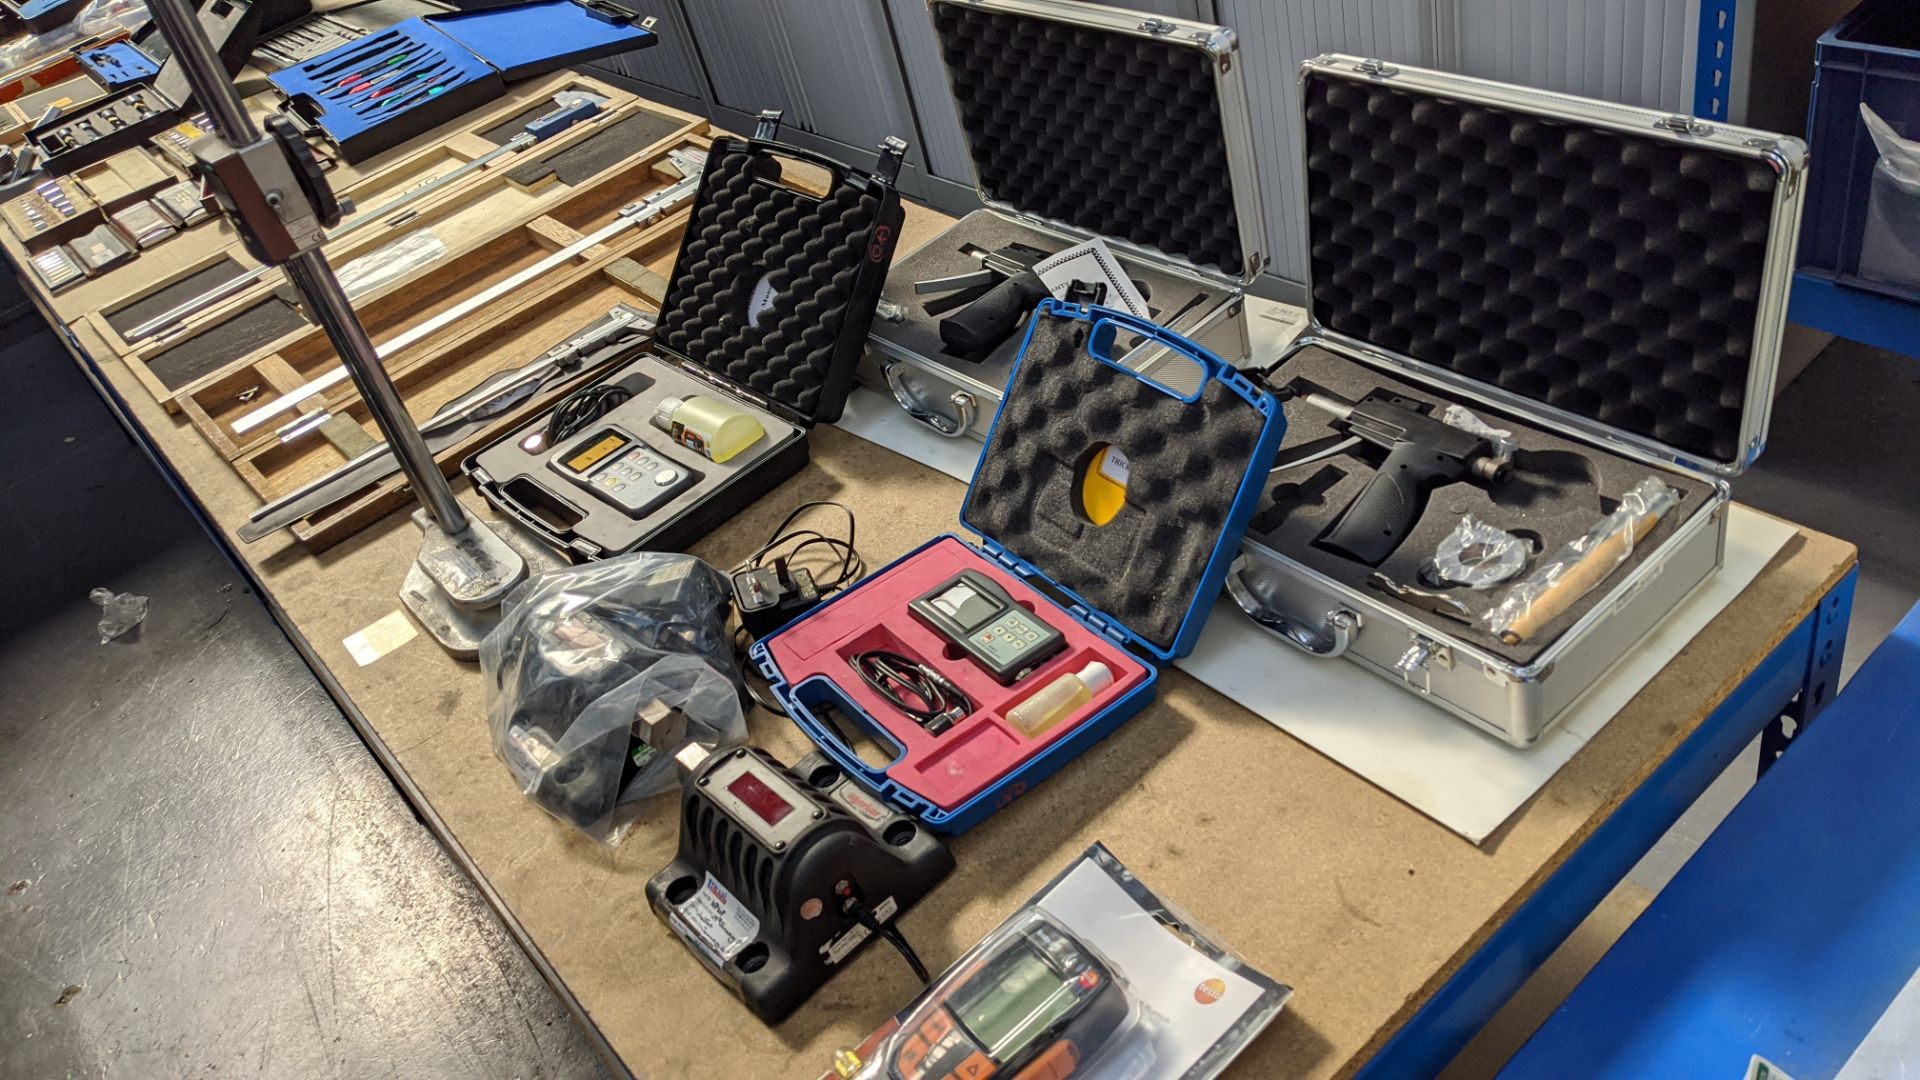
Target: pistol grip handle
{"type": "Point", "coordinates": [988, 321]}
{"type": "Point", "coordinates": [1379, 519]}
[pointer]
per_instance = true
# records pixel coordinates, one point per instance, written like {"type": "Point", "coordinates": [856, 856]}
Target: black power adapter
{"type": "Point", "coordinates": [770, 597]}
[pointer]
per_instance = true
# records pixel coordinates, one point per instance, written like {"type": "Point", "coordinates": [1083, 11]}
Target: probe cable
{"type": "Point", "coordinates": [894, 676]}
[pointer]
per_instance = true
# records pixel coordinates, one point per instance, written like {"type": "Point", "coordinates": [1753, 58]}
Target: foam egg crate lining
{"type": "Point", "coordinates": [765, 284]}
{"type": "Point", "coordinates": [1186, 462]}
{"type": "Point", "coordinates": [1113, 134]}
{"type": "Point", "coordinates": [1609, 275]}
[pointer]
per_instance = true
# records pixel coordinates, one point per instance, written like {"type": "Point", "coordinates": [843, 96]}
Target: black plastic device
{"type": "Point", "coordinates": [782, 875]}
{"type": "Point", "coordinates": [770, 597]}
{"type": "Point", "coordinates": [977, 616]}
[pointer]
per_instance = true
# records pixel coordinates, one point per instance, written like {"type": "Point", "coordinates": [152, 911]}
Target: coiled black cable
{"type": "Point", "coordinates": [894, 676]}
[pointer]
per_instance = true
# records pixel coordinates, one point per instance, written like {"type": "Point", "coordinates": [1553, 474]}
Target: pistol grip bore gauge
{"type": "Point", "coordinates": [282, 207]}
{"type": "Point", "coordinates": [977, 616]}
{"type": "Point", "coordinates": [783, 874]}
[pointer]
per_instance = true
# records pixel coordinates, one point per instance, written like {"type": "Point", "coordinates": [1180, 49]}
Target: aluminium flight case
{"type": "Point", "coordinates": [1594, 276]}
{"type": "Point", "coordinates": [1079, 121]}
{"type": "Point", "coordinates": [767, 307]}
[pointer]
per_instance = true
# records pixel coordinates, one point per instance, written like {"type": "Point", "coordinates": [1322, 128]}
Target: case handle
{"type": "Point", "coordinates": [909, 399]}
{"type": "Point", "coordinates": [1329, 640]}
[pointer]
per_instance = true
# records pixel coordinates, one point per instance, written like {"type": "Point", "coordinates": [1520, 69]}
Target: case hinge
{"type": "Point", "coordinates": [1157, 27]}
{"type": "Point", "coordinates": [1683, 124]}
{"type": "Point", "coordinates": [732, 389]}
{"type": "Point", "coordinates": [767, 126]}
{"type": "Point", "coordinates": [1379, 69]}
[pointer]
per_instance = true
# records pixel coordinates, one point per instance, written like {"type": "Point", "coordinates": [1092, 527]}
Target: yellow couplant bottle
{"type": "Point", "coordinates": [707, 426]}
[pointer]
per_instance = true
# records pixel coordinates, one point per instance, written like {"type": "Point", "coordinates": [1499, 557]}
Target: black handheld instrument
{"type": "Point", "coordinates": [1422, 454]}
{"type": "Point", "coordinates": [1012, 290]}
{"type": "Point", "coordinates": [975, 614]}
{"type": "Point", "coordinates": [782, 875]}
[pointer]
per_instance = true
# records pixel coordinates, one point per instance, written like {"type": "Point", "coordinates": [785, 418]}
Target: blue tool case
{"type": "Point", "coordinates": [1133, 591]}
{"type": "Point", "coordinates": [378, 92]}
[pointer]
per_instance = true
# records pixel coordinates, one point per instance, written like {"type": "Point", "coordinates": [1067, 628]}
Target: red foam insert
{"type": "Point", "coordinates": [949, 768]}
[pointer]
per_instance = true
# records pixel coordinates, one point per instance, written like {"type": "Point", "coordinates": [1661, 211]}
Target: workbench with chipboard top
{"type": "Point", "coordinates": [1398, 937]}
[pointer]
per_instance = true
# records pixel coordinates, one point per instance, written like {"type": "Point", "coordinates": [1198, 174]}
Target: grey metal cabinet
{"type": "Point", "coordinates": [670, 71]}
{"type": "Point", "coordinates": [830, 65]}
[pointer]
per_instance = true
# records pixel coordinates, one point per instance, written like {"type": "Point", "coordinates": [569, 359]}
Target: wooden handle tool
{"type": "Point", "coordinates": [1581, 577]}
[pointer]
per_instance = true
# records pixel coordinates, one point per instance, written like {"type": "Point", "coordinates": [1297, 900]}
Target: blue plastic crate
{"type": "Point", "coordinates": [1872, 56]}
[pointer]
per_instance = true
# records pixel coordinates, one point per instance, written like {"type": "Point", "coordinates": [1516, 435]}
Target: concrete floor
{"type": "Point", "coordinates": [203, 871]}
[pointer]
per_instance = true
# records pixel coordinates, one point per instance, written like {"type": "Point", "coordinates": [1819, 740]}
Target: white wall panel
{"type": "Point", "coordinates": [1275, 36]}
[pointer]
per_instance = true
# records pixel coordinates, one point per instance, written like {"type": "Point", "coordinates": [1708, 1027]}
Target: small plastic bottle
{"type": "Point", "coordinates": [1060, 699]}
{"type": "Point", "coordinates": [707, 426]}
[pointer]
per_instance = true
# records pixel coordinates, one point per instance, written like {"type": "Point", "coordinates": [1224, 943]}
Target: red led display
{"type": "Point", "coordinates": [760, 798]}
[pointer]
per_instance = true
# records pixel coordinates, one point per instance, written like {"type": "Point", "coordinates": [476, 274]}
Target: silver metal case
{"type": "Point", "coordinates": [956, 397]}
{"type": "Point", "coordinates": [1519, 702]}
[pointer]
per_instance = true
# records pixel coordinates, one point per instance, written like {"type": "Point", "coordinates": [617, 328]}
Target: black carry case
{"type": "Point", "coordinates": [768, 307]}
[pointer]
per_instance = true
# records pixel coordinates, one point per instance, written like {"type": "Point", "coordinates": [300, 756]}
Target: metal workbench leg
{"type": "Point", "coordinates": [1831, 620]}
{"type": "Point", "coordinates": [1488, 978]}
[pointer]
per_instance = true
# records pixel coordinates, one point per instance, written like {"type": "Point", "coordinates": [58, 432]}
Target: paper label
{"type": "Point", "coordinates": [1092, 263]}
{"type": "Point", "coordinates": [1114, 466]}
{"type": "Point", "coordinates": [837, 949]}
{"type": "Point", "coordinates": [1759, 1068]}
{"type": "Point", "coordinates": [390, 632]}
{"type": "Point", "coordinates": [714, 921]}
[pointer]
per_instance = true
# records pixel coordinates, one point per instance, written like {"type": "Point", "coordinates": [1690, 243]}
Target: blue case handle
{"type": "Point", "coordinates": [1107, 325]}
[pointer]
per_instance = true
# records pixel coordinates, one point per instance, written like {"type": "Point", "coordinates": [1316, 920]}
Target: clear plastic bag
{"type": "Point", "coordinates": [394, 261]}
{"type": "Point", "coordinates": [1479, 556]}
{"type": "Point", "coordinates": [1890, 239]}
{"type": "Point", "coordinates": [100, 19]}
{"type": "Point", "coordinates": [1463, 418]}
{"type": "Point", "coordinates": [1557, 583]}
{"type": "Point", "coordinates": [1095, 973]}
{"type": "Point", "coordinates": [119, 612]}
{"type": "Point", "coordinates": [580, 662]}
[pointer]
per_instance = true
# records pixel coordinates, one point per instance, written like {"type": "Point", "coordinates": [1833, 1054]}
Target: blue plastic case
{"type": "Point", "coordinates": [118, 64]}
{"type": "Point", "coordinates": [424, 71]}
{"type": "Point", "coordinates": [798, 699]}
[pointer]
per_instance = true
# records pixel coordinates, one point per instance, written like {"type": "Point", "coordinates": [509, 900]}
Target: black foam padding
{"type": "Point", "coordinates": [1542, 500]}
{"type": "Point", "coordinates": [1113, 134]}
{"type": "Point", "coordinates": [242, 335]}
{"type": "Point", "coordinates": [125, 318]}
{"type": "Point", "coordinates": [774, 289]}
{"type": "Point", "coordinates": [1610, 275]}
{"type": "Point", "coordinates": [919, 333]}
{"type": "Point", "coordinates": [1186, 464]}
{"type": "Point", "coordinates": [599, 151]}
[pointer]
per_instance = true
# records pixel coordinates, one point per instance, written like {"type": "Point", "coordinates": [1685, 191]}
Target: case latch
{"type": "Point", "coordinates": [893, 153]}
{"type": "Point", "coordinates": [1422, 656]}
{"type": "Point", "coordinates": [767, 126]}
{"type": "Point", "coordinates": [1683, 124]}
{"type": "Point", "coordinates": [1379, 69]}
